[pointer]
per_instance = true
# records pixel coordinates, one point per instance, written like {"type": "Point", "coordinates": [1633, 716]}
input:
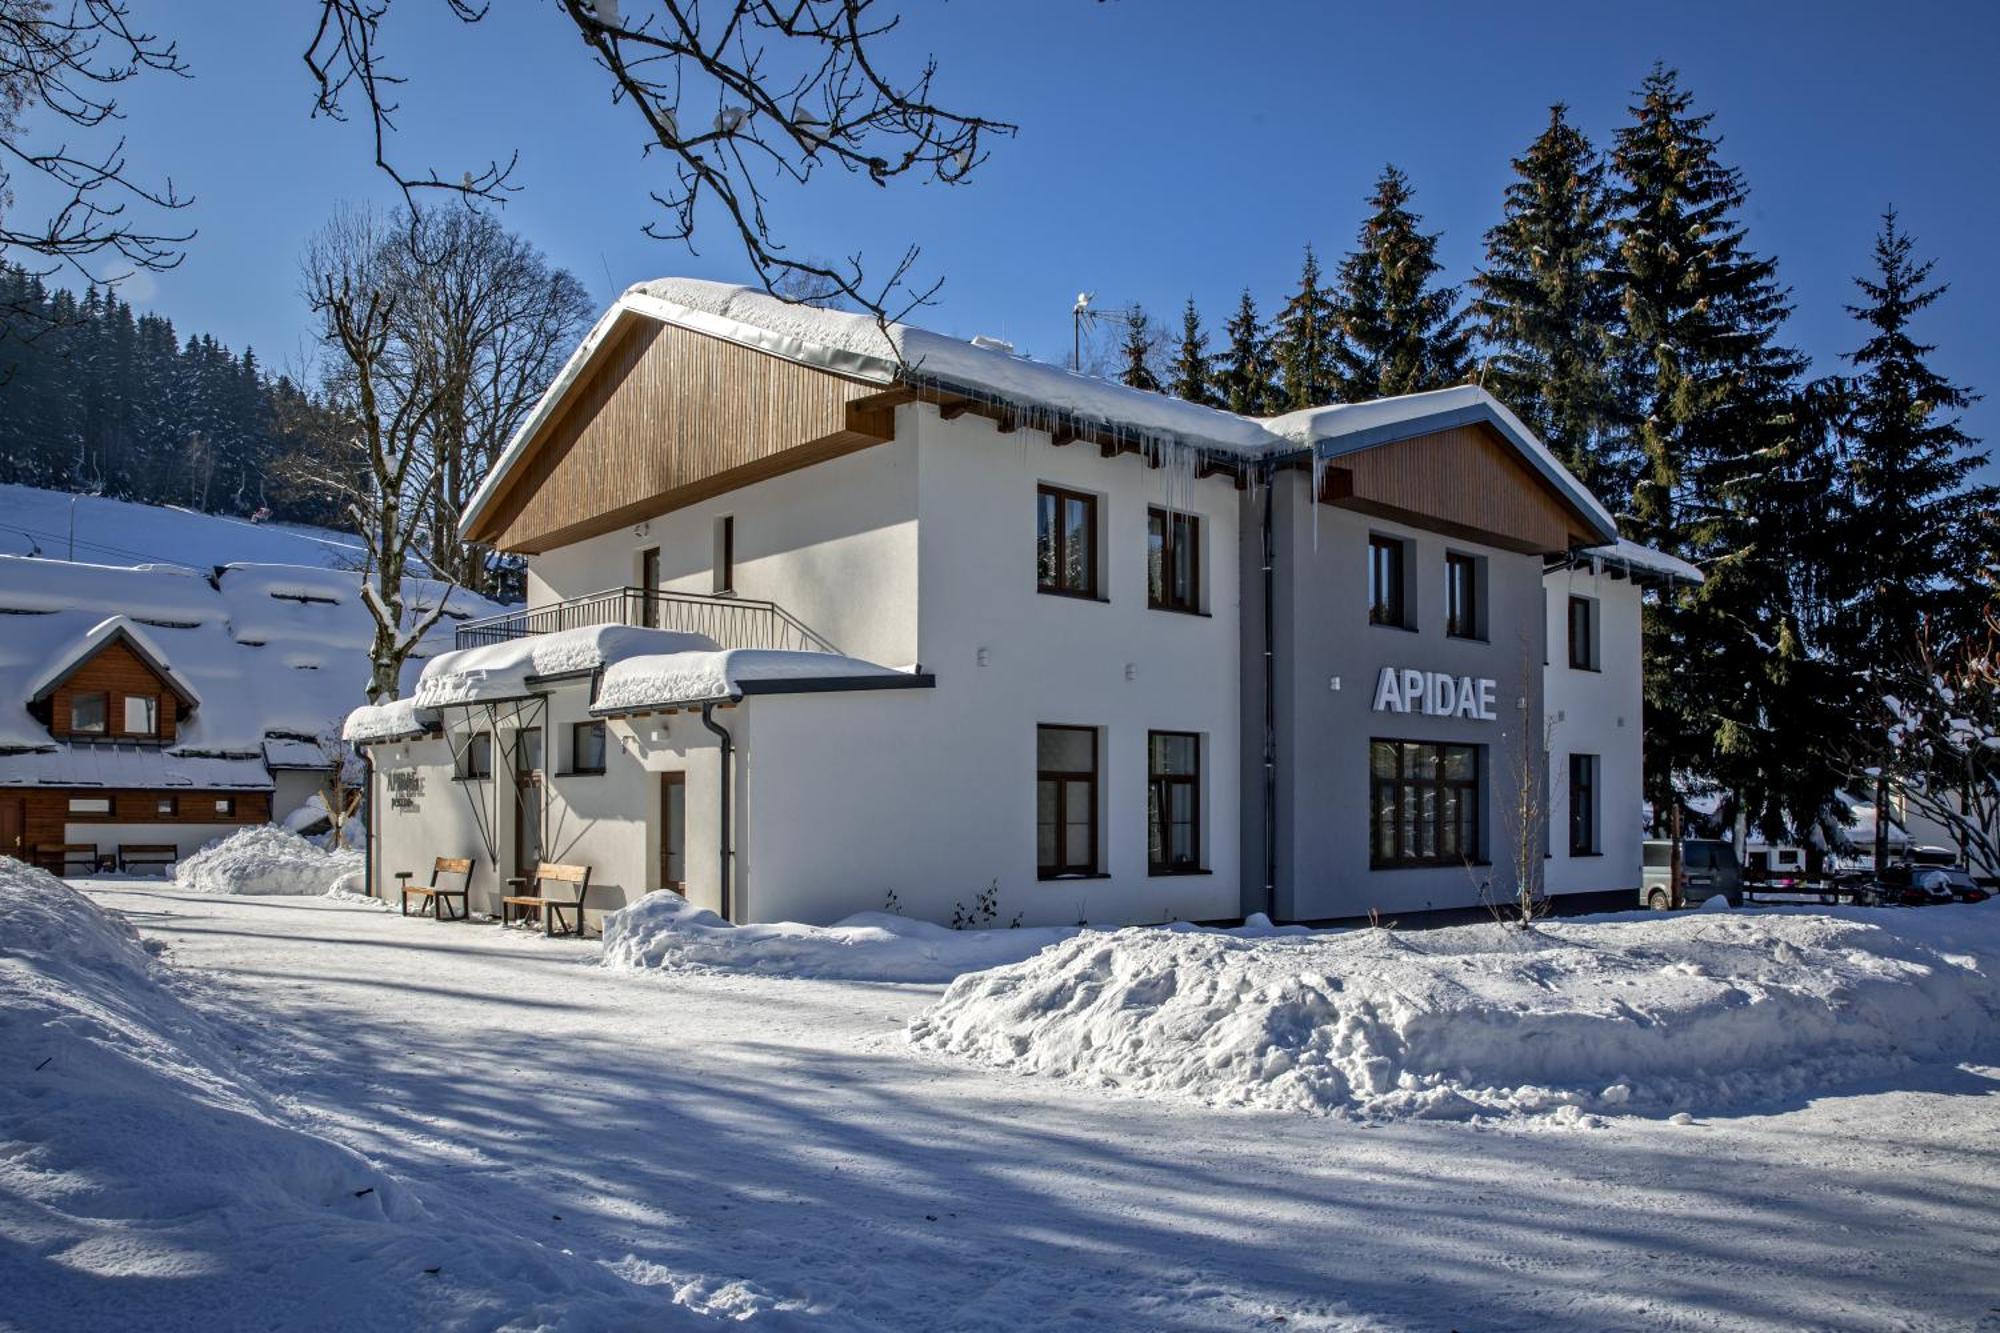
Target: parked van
{"type": "Point", "coordinates": [1708, 867]}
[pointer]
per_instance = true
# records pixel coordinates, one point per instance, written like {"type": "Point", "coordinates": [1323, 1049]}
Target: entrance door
{"type": "Point", "coordinates": [528, 800]}
{"type": "Point", "coordinates": [13, 827]}
{"type": "Point", "coordinates": [673, 832]}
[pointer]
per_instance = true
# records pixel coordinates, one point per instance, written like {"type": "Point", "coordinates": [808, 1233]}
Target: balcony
{"type": "Point", "coordinates": [732, 622]}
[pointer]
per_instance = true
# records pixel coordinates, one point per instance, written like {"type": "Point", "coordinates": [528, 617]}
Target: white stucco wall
{"type": "Point", "coordinates": [834, 544]}
{"type": "Point", "coordinates": [1601, 713]}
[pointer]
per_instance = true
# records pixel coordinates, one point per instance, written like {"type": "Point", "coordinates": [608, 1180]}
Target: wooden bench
{"type": "Point", "coordinates": [161, 854]}
{"type": "Point", "coordinates": [438, 900]}
{"type": "Point", "coordinates": [58, 857]}
{"type": "Point", "coordinates": [550, 909]}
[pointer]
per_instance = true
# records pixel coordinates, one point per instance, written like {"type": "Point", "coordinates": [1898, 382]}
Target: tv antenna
{"type": "Point", "coordinates": [1082, 313]}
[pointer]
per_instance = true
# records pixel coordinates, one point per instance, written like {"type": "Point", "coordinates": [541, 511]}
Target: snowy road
{"type": "Point", "coordinates": [773, 1149]}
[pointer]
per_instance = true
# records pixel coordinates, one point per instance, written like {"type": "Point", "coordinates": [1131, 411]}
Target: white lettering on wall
{"type": "Point", "coordinates": [1434, 694]}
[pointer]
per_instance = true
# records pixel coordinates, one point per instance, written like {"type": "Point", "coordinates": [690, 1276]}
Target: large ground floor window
{"type": "Point", "coordinates": [1065, 801]}
{"type": "Point", "coordinates": [1424, 803]}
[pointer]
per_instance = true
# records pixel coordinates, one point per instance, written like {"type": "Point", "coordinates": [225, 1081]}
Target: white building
{"type": "Point", "coordinates": [821, 621]}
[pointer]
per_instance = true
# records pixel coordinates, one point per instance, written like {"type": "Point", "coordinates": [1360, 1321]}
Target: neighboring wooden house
{"type": "Point", "coordinates": [163, 706]}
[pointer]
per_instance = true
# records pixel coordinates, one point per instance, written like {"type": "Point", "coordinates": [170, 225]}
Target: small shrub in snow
{"type": "Point", "coordinates": [269, 859]}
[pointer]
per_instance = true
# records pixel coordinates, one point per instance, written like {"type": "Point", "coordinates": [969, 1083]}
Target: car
{"type": "Point", "coordinates": [1958, 883]}
{"type": "Point", "coordinates": [1919, 885]}
{"type": "Point", "coordinates": [1708, 867]}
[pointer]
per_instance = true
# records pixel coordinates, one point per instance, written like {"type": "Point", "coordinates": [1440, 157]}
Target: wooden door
{"type": "Point", "coordinates": [13, 827]}
{"type": "Point", "coordinates": [673, 832]}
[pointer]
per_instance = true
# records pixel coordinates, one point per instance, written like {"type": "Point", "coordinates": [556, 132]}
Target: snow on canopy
{"type": "Point", "coordinates": [635, 668]}
{"type": "Point", "coordinates": [1634, 556]}
{"type": "Point", "coordinates": [273, 653]}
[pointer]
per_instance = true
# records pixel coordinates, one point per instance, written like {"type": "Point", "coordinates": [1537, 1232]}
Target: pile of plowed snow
{"type": "Point", "coordinates": [269, 859]}
{"type": "Point", "coordinates": [147, 1180]}
{"type": "Point", "coordinates": [664, 931]}
{"type": "Point", "coordinates": [1634, 1014]}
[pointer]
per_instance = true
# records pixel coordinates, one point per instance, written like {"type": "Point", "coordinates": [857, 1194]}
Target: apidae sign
{"type": "Point", "coordinates": [1434, 694]}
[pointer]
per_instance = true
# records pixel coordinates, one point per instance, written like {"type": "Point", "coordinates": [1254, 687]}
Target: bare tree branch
{"type": "Point", "coordinates": [66, 63]}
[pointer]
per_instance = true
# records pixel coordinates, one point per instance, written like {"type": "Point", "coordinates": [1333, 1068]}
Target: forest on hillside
{"type": "Point", "coordinates": [95, 396]}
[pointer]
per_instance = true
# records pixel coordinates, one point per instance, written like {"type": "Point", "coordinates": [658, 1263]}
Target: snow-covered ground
{"type": "Point", "coordinates": [557, 1144]}
{"type": "Point", "coordinates": [120, 532]}
{"type": "Point", "coordinates": [267, 860]}
{"type": "Point", "coordinates": [1633, 1013]}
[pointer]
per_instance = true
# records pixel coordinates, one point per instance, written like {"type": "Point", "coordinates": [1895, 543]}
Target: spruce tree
{"type": "Point", "coordinates": [1547, 304]}
{"type": "Point", "coordinates": [1736, 693]}
{"type": "Point", "coordinates": [1137, 350]}
{"type": "Point", "coordinates": [1303, 340]}
{"type": "Point", "coordinates": [1395, 332]}
{"type": "Point", "coordinates": [1916, 518]}
{"type": "Point", "coordinates": [1194, 376]}
{"type": "Point", "coordinates": [1245, 374]}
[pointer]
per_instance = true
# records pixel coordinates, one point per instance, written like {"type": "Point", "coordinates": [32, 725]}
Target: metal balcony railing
{"type": "Point", "coordinates": [732, 622]}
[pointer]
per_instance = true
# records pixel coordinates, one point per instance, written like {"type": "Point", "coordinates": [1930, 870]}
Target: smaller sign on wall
{"type": "Point", "coordinates": [1435, 694]}
{"type": "Point", "coordinates": [406, 788]}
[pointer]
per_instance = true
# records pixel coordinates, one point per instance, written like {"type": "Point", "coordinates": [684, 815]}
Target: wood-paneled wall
{"type": "Point", "coordinates": [667, 417]}
{"type": "Point", "coordinates": [115, 671]}
{"type": "Point", "coordinates": [47, 808]}
{"type": "Point", "coordinates": [1466, 482]}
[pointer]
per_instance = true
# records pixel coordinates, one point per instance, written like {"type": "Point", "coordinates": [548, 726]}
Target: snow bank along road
{"type": "Point", "coordinates": [771, 1149]}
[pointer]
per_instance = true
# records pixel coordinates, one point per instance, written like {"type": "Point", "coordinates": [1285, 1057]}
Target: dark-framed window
{"type": "Point", "coordinates": [586, 747]}
{"type": "Point", "coordinates": [725, 553]}
{"type": "Point", "coordinates": [1065, 542]}
{"type": "Point", "coordinates": [1065, 801]}
{"type": "Point", "coordinates": [649, 585]}
{"type": "Point", "coordinates": [1583, 634]}
{"type": "Point", "coordinates": [477, 760]}
{"type": "Point", "coordinates": [1423, 807]}
{"type": "Point", "coordinates": [1385, 582]}
{"type": "Point", "coordinates": [225, 805]}
{"type": "Point", "coordinates": [1173, 561]}
{"type": "Point", "coordinates": [167, 805]}
{"type": "Point", "coordinates": [90, 713]}
{"type": "Point", "coordinates": [1461, 596]}
{"type": "Point", "coordinates": [1583, 805]}
{"type": "Point", "coordinates": [90, 805]}
{"type": "Point", "coordinates": [1173, 803]}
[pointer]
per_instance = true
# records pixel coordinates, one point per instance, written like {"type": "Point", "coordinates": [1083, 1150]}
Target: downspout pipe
{"type": "Point", "coordinates": [1270, 698]}
{"type": "Point", "coordinates": [368, 820]}
{"type": "Point", "coordinates": [728, 853]}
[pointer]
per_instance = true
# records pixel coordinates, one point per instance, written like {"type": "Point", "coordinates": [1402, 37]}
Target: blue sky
{"type": "Point", "coordinates": [1167, 150]}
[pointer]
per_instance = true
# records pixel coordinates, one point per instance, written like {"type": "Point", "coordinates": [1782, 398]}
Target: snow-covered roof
{"type": "Point", "coordinates": [860, 347]}
{"type": "Point", "coordinates": [272, 652]}
{"type": "Point", "coordinates": [69, 656]}
{"type": "Point", "coordinates": [666, 680]}
{"type": "Point", "coordinates": [1347, 428]}
{"type": "Point", "coordinates": [1634, 556]}
{"type": "Point", "coordinates": [102, 764]}
{"type": "Point", "coordinates": [630, 670]}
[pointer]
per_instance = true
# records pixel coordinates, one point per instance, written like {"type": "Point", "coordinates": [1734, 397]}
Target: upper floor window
{"type": "Point", "coordinates": [1065, 542]}
{"type": "Point", "coordinates": [1386, 605]}
{"type": "Point", "coordinates": [1461, 596]}
{"type": "Point", "coordinates": [1583, 633]}
{"type": "Point", "coordinates": [725, 553]}
{"type": "Point", "coordinates": [1173, 561]}
{"type": "Point", "coordinates": [89, 713]}
{"type": "Point", "coordinates": [142, 715]}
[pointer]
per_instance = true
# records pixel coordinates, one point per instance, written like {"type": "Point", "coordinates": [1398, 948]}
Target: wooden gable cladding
{"type": "Point", "coordinates": [1466, 482]}
{"type": "Point", "coordinates": [668, 417]}
{"type": "Point", "coordinates": [115, 671]}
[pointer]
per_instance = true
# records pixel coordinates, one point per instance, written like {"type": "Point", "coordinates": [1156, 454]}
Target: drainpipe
{"type": "Point", "coordinates": [368, 821]}
{"type": "Point", "coordinates": [728, 752]}
{"type": "Point", "coordinates": [1270, 702]}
